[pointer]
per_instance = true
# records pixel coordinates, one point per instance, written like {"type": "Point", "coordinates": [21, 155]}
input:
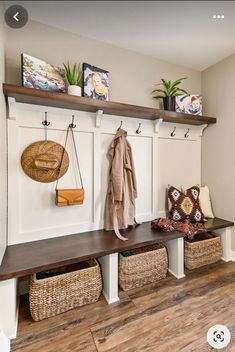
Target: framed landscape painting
{"type": "Point", "coordinates": [38, 74]}
{"type": "Point", "coordinates": [95, 82]}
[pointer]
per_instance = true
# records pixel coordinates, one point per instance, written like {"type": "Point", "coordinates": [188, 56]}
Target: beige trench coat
{"type": "Point", "coordinates": [122, 190]}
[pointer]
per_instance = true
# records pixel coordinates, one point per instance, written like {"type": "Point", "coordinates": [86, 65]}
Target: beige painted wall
{"type": "Point", "coordinates": [3, 172]}
{"type": "Point", "coordinates": [218, 143]}
{"type": "Point", "coordinates": [132, 75]}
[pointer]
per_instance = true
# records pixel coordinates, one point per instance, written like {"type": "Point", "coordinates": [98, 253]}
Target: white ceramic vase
{"type": "Point", "coordinates": [74, 90]}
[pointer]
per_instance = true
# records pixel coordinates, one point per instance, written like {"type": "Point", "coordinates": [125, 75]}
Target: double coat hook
{"type": "Point", "coordinates": [45, 122]}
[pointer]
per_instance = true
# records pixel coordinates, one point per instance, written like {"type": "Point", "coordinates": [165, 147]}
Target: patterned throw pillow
{"type": "Point", "coordinates": [185, 206]}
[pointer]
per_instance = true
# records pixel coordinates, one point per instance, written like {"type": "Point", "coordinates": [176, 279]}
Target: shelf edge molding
{"type": "Point", "coordinates": [66, 101]}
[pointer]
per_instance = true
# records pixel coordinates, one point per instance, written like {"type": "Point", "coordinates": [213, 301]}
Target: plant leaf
{"type": "Point", "coordinates": [158, 90]}
{"type": "Point", "coordinates": [73, 74]}
{"type": "Point", "coordinates": [158, 97]}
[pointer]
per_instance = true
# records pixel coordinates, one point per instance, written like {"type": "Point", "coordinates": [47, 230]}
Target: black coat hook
{"type": "Point", "coordinates": [72, 125]}
{"type": "Point", "coordinates": [45, 122]}
{"type": "Point", "coordinates": [187, 133]}
{"type": "Point", "coordinates": [173, 132]}
{"type": "Point", "coordinates": [120, 126]}
{"type": "Point", "coordinates": [138, 131]}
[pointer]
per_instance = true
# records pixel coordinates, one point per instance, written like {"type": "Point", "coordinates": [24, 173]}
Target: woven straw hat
{"type": "Point", "coordinates": [41, 161]}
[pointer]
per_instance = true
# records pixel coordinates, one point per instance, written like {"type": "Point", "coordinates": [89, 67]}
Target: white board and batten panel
{"type": "Point", "coordinates": [179, 159]}
{"type": "Point", "coordinates": [32, 213]}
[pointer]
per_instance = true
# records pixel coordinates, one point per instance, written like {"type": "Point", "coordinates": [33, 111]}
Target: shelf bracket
{"type": "Point", "coordinates": [157, 123]}
{"type": "Point", "coordinates": [202, 127]}
{"type": "Point", "coordinates": [11, 108]}
{"type": "Point", "coordinates": [99, 115]}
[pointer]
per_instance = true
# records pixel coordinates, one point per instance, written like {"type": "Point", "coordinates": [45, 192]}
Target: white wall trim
{"type": "Point", "coordinates": [11, 108]}
{"type": "Point", "coordinates": [232, 255]}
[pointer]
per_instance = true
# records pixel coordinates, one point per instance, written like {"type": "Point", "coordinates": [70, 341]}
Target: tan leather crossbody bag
{"type": "Point", "coordinates": [65, 197]}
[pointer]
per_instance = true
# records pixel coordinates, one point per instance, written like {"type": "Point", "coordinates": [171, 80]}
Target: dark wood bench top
{"type": "Point", "coordinates": [217, 223]}
{"type": "Point", "coordinates": [27, 258]}
{"type": "Point", "coordinates": [31, 257]}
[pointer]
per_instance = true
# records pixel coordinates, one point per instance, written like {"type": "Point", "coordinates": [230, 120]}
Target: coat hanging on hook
{"type": "Point", "coordinates": [122, 188]}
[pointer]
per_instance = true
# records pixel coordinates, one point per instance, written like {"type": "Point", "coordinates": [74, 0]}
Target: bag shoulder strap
{"type": "Point", "coordinates": [76, 155]}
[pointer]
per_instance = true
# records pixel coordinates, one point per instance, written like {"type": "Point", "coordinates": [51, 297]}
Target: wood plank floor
{"type": "Point", "coordinates": [171, 315]}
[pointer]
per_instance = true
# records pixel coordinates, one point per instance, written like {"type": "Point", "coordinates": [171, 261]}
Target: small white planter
{"type": "Point", "coordinates": [74, 90]}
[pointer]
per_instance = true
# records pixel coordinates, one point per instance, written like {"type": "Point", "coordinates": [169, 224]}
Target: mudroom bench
{"type": "Point", "coordinates": [32, 257]}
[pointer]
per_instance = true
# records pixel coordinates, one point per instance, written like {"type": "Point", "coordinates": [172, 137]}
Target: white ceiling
{"type": "Point", "coordinates": [180, 32]}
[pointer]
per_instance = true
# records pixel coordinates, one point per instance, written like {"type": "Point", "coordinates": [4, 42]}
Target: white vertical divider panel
{"type": "Point", "coordinates": [109, 267]}
{"type": "Point", "coordinates": [9, 307]}
{"type": "Point", "coordinates": [97, 179]}
{"type": "Point", "coordinates": [155, 163]}
{"type": "Point", "coordinates": [175, 251]}
{"type": "Point", "coordinates": [13, 179]}
{"type": "Point", "coordinates": [225, 235]}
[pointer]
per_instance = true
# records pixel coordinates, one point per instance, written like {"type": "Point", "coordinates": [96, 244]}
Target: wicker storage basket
{"type": "Point", "coordinates": [75, 285]}
{"type": "Point", "coordinates": [205, 250]}
{"type": "Point", "coordinates": [146, 265]}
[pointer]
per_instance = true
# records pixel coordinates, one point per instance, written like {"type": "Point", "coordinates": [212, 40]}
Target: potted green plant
{"type": "Point", "coordinates": [74, 78]}
{"type": "Point", "coordinates": [168, 93]}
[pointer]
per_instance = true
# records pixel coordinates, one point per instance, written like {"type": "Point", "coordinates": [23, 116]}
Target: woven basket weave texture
{"type": "Point", "coordinates": [146, 265]}
{"type": "Point", "coordinates": [199, 253]}
{"type": "Point", "coordinates": [57, 294]}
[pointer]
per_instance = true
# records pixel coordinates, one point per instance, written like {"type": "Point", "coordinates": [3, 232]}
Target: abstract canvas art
{"type": "Point", "coordinates": [41, 75]}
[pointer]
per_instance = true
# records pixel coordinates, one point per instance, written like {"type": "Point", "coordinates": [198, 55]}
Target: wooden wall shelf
{"type": "Point", "coordinates": [62, 100]}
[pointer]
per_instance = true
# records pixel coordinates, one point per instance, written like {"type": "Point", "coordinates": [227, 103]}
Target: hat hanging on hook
{"type": "Point", "coordinates": [41, 161]}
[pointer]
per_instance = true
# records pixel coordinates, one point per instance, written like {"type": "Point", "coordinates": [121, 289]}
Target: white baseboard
{"type": "Point", "coordinates": [232, 256]}
{"type": "Point", "coordinates": [114, 300]}
{"type": "Point", "coordinates": [177, 276]}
